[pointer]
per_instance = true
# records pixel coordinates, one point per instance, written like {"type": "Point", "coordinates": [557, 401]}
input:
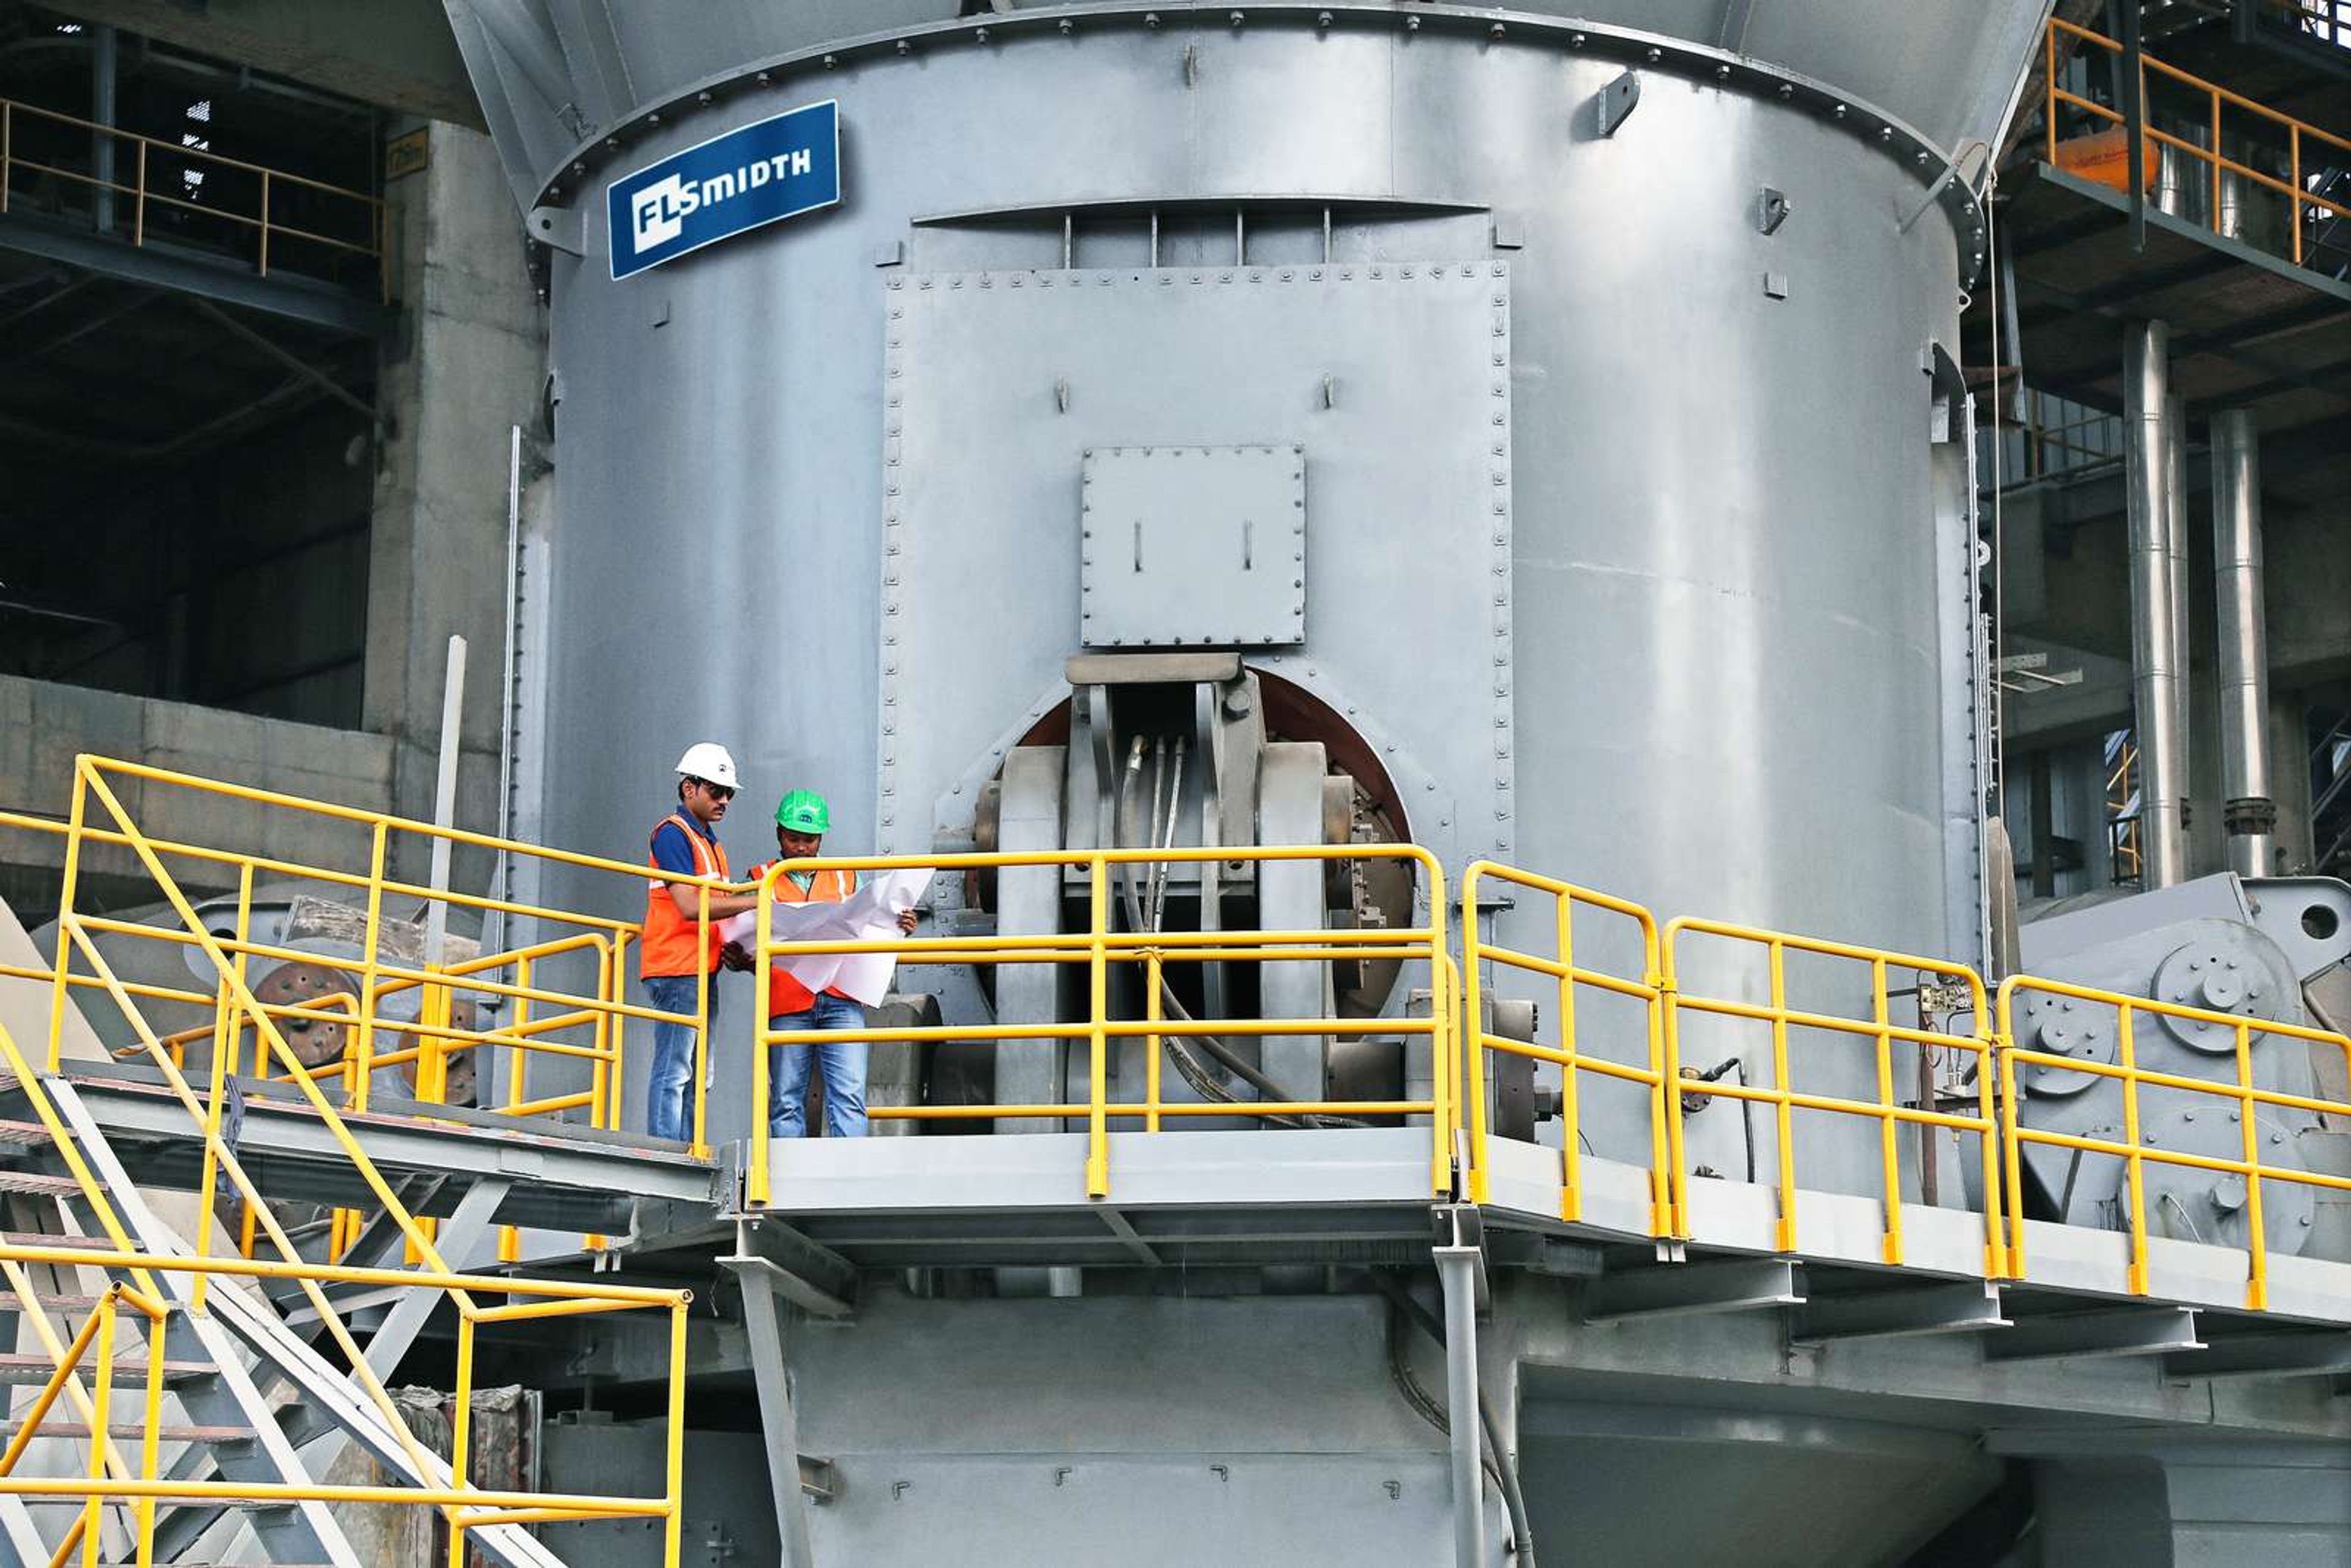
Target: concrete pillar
{"type": "Point", "coordinates": [2250, 814]}
{"type": "Point", "coordinates": [466, 363]}
{"type": "Point", "coordinates": [2156, 680]}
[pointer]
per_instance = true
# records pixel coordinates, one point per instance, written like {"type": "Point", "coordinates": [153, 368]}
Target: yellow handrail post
{"type": "Point", "coordinates": [703, 1044]}
{"type": "Point", "coordinates": [673, 1521]}
{"type": "Point", "coordinates": [66, 890]}
{"type": "Point", "coordinates": [1473, 1046]}
{"type": "Point", "coordinates": [1098, 1014]}
{"type": "Point", "coordinates": [2257, 1281]}
{"type": "Point", "coordinates": [150, 1429]}
{"type": "Point", "coordinates": [2048, 110]}
{"type": "Point", "coordinates": [2294, 177]}
{"type": "Point", "coordinates": [101, 1399]}
{"type": "Point", "coordinates": [461, 1432]}
{"type": "Point", "coordinates": [355, 1092]}
{"type": "Point", "coordinates": [1783, 1108]}
{"type": "Point", "coordinates": [1890, 1144]}
{"type": "Point", "coordinates": [763, 1088]}
{"type": "Point", "coordinates": [1571, 1127]}
{"type": "Point", "coordinates": [2134, 1163]}
{"type": "Point", "coordinates": [1152, 981]}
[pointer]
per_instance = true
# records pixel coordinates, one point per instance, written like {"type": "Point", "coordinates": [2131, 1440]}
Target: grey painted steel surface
{"type": "Point", "coordinates": [1705, 650]}
{"type": "Point", "coordinates": [2162, 745]}
{"type": "Point", "coordinates": [554, 79]}
{"type": "Point", "coordinates": [2243, 667]}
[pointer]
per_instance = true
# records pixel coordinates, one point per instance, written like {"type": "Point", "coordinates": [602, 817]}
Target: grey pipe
{"type": "Point", "coordinates": [2163, 839]}
{"type": "Point", "coordinates": [1457, 1269]}
{"type": "Point", "coordinates": [2250, 814]}
{"type": "Point", "coordinates": [2175, 525]}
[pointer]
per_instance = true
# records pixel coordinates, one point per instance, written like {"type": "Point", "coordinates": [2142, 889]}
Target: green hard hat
{"type": "Point", "coordinates": [803, 811]}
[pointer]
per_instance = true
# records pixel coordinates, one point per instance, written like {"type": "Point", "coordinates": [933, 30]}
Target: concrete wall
{"type": "Point", "coordinates": [466, 363]}
{"type": "Point", "coordinates": [44, 725]}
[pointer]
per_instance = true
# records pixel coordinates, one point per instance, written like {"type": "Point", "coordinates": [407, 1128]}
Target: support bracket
{"type": "Point", "coordinates": [1682, 1290]}
{"type": "Point", "coordinates": [1899, 1314]}
{"type": "Point", "coordinates": [2135, 1330]}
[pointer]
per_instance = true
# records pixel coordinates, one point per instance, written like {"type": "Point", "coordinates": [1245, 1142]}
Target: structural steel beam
{"type": "Point", "coordinates": [1457, 1268]}
{"type": "Point", "coordinates": [812, 1277]}
{"type": "Point", "coordinates": [2316, 1353]}
{"type": "Point", "coordinates": [778, 1423]}
{"type": "Point", "coordinates": [2130, 1331]}
{"type": "Point", "coordinates": [1968, 1308]}
{"type": "Point", "coordinates": [296, 299]}
{"type": "Point", "coordinates": [1679, 1289]}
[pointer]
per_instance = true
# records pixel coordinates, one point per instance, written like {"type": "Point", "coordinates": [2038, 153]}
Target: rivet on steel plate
{"type": "Point", "coordinates": [652, 119]}
{"type": "Point", "coordinates": [578, 170]}
{"type": "Point", "coordinates": [1412, 24]}
{"type": "Point", "coordinates": [1575, 40]}
{"type": "Point", "coordinates": [1657, 55]}
{"type": "Point", "coordinates": [1322, 18]}
{"type": "Point", "coordinates": [1150, 18]}
{"type": "Point", "coordinates": [703, 99]}
{"type": "Point", "coordinates": [906, 46]}
{"type": "Point", "coordinates": [1885, 133]}
{"type": "Point", "coordinates": [1722, 73]}
{"type": "Point", "coordinates": [763, 79]}
{"type": "Point", "coordinates": [1495, 31]}
{"type": "Point", "coordinates": [1787, 92]}
{"type": "Point", "coordinates": [1068, 26]}
{"type": "Point", "coordinates": [1838, 111]}
{"type": "Point", "coordinates": [830, 62]}
{"type": "Point", "coordinates": [980, 33]}
{"type": "Point", "coordinates": [1236, 18]}
{"type": "Point", "coordinates": [611, 143]}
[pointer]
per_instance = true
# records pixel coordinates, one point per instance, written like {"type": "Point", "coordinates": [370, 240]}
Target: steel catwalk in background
{"type": "Point", "coordinates": [2155, 607]}
{"type": "Point", "coordinates": [2250, 807]}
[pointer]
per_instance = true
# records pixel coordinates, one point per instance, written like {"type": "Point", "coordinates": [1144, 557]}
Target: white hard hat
{"type": "Point", "coordinates": [708, 759]}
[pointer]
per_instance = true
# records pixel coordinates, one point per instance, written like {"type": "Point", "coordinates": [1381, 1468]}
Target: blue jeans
{"type": "Point", "coordinates": [843, 1064]}
{"type": "Point", "coordinates": [669, 1088]}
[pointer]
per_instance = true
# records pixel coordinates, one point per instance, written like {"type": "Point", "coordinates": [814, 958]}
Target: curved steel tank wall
{"type": "Point", "coordinates": [1729, 690]}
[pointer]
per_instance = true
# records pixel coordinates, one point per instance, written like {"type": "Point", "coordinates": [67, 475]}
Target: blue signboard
{"type": "Point", "coordinates": [774, 168]}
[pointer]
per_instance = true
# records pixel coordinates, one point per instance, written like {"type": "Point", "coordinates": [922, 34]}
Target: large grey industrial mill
{"type": "Point", "coordinates": [1749, 589]}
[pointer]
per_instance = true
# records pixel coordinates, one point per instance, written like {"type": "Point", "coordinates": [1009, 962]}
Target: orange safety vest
{"type": "Point", "coordinates": [668, 944]}
{"type": "Point", "coordinates": [828, 885]}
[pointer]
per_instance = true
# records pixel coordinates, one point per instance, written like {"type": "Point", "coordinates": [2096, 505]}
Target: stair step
{"type": "Point", "coordinates": [23, 1371]}
{"type": "Point", "coordinates": [42, 1238]}
{"type": "Point", "coordinates": [133, 1429]}
{"type": "Point", "coordinates": [59, 1304]}
{"type": "Point", "coordinates": [24, 1133]}
{"type": "Point", "coordinates": [36, 1183]}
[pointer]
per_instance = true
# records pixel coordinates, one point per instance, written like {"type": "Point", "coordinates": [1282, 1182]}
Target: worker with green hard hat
{"type": "Point", "coordinates": [802, 819]}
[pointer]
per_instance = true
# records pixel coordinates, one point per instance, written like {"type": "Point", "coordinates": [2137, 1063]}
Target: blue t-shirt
{"type": "Point", "coordinates": [671, 852]}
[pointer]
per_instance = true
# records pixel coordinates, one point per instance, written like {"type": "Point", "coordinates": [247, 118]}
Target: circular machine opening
{"type": "Point", "coordinates": [1361, 804]}
{"type": "Point", "coordinates": [2320, 923]}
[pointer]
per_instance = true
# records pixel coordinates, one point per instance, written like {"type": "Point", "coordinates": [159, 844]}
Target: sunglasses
{"type": "Point", "coordinates": [715, 791]}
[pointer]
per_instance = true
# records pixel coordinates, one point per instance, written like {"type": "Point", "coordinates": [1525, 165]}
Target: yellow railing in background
{"type": "Point", "coordinates": [368, 236]}
{"type": "Point", "coordinates": [2218, 99]}
{"type": "Point", "coordinates": [2132, 1148]}
{"type": "Point", "coordinates": [1567, 974]}
{"type": "Point", "coordinates": [1885, 1108]}
{"type": "Point", "coordinates": [1100, 947]}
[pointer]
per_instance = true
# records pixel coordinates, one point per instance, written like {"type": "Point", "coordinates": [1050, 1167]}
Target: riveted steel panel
{"type": "Point", "coordinates": [1001, 383]}
{"type": "Point", "coordinates": [1202, 545]}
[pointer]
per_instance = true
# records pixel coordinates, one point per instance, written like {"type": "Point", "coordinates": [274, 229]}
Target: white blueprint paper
{"type": "Point", "coordinates": [869, 915]}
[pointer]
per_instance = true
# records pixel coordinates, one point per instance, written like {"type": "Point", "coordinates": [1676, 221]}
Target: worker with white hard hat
{"type": "Point", "coordinates": [680, 948]}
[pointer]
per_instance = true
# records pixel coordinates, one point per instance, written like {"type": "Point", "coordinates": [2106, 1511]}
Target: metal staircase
{"type": "Point", "coordinates": [190, 1395]}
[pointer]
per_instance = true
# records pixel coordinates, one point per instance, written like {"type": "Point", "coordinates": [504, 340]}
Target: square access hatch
{"type": "Point", "coordinates": [1186, 546]}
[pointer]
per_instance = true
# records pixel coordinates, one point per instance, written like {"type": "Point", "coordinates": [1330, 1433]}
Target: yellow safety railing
{"type": "Point", "coordinates": [2218, 99]}
{"type": "Point", "coordinates": [597, 1009]}
{"type": "Point", "coordinates": [366, 235]}
{"type": "Point", "coordinates": [1100, 947]}
{"type": "Point", "coordinates": [1887, 1108]}
{"type": "Point", "coordinates": [239, 1008]}
{"type": "Point", "coordinates": [2239, 1092]}
{"type": "Point", "coordinates": [1567, 977]}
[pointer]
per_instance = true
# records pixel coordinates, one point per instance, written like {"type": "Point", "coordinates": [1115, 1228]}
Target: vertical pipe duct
{"type": "Point", "coordinates": [2163, 840]}
{"type": "Point", "coordinates": [2250, 814]}
{"type": "Point", "coordinates": [2175, 525]}
{"type": "Point", "coordinates": [102, 56]}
